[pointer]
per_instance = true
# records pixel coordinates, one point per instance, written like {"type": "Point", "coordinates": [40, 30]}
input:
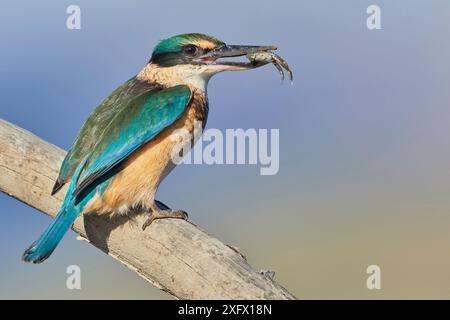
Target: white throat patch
{"type": "Point", "coordinates": [195, 76]}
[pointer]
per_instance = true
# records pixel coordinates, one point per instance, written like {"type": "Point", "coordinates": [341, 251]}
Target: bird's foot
{"type": "Point", "coordinates": [157, 213]}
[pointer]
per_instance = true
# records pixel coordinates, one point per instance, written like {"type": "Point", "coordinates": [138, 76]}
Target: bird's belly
{"type": "Point", "coordinates": [136, 184]}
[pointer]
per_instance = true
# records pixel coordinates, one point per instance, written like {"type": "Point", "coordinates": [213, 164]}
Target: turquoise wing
{"type": "Point", "coordinates": [141, 121]}
{"type": "Point", "coordinates": [96, 124]}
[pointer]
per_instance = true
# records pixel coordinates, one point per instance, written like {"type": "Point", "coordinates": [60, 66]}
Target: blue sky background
{"type": "Point", "coordinates": [364, 151]}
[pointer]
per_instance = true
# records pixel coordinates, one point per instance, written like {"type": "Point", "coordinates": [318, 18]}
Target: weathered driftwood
{"type": "Point", "coordinates": [173, 255]}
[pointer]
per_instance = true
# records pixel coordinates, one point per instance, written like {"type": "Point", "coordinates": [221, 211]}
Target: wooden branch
{"type": "Point", "coordinates": [173, 255]}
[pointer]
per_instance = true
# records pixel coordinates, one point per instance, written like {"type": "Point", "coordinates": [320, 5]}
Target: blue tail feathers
{"type": "Point", "coordinates": [44, 246]}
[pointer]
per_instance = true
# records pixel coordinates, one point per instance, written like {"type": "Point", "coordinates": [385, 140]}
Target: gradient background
{"type": "Point", "coordinates": [365, 147]}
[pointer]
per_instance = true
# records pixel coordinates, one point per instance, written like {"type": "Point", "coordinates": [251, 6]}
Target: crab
{"type": "Point", "coordinates": [264, 57]}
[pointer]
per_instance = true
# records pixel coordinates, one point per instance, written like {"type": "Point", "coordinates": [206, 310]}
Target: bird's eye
{"type": "Point", "coordinates": [190, 50]}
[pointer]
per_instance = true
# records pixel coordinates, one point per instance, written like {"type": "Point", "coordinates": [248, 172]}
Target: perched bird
{"type": "Point", "coordinates": [123, 151]}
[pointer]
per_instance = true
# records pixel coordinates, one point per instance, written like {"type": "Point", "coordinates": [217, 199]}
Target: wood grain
{"type": "Point", "coordinates": [173, 255]}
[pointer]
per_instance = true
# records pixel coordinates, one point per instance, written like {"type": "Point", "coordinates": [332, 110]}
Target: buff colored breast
{"type": "Point", "coordinates": [142, 172]}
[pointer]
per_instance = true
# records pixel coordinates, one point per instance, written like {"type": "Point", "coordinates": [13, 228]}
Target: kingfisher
{"type": "Point", "coordinates": [123, 150]}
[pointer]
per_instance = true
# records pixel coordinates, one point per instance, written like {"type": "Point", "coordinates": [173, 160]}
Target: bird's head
{"type": "Point", "coordinates": [200, 54]}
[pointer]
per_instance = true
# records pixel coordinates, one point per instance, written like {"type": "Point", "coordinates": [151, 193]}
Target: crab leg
{"type": "Point", "coordinates": [280, 70]}
{"type": "Point", "coordinates": [285, 65]}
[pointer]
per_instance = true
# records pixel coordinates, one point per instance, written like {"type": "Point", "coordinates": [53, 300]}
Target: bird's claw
{"type": "Point", "coordinates": [164, 214]}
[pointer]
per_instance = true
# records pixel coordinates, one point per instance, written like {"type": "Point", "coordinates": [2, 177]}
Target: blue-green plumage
{"type": "Point", "coordinates": [44, 246]}
{"type": "Point", "coordinates": [123, 150]}
{"type": "Point", "coordinates": [142, 119]}
{"type": "Point", "coordinates": [131, 128]}
{"type": "Point", "coordinates": [97, 122]}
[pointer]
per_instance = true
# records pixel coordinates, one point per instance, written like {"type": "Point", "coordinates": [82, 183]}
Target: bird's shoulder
{"type": "Point", "coordinates": [97, 122]}
{"type": "Point", "coordinates": [143, 119]}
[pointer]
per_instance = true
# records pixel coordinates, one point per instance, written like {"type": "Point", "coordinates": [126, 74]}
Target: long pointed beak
{"type": "Point", "coordinates": [238, 50]}
{"type": "Point", "coordinates": [226, 51]}
{"type": "Point", "coordinates": [257, 56]}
